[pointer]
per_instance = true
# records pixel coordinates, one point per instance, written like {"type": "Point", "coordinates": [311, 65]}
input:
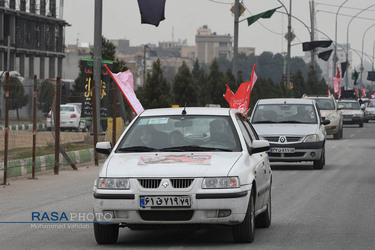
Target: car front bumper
{"type": "Point", "coordinates": [311, 151]}
{"type": "Point", "coordinates": [206, 208]}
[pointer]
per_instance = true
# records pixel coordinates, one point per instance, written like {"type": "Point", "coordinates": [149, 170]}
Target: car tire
{"type": "Point", "coordinates": [245, 231]}
{"type": "Point", "coordinates": [264, 219]}
{"type": "Point", "coordinates": [337, 135]}
{"type": "Point", "coordinates": [106, 234]}
{"type": "Point", "coordinates": [361, 124]}
{"type": "Point", "coordinates": [319, 164]}
{"type": "Point", "coordinates": [341, 132]}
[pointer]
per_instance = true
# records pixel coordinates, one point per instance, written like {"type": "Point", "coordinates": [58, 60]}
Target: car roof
{"type": "Point", "coordinates": [347, 100]}
{"type": "Point", "coordinates": [318, 97]}
{"type": "Point", "coordinates": [286, 101]}
{"type": "Point", "coordinates": [189, 111]}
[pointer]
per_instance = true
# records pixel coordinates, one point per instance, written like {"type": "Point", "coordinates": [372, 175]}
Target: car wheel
{"type": "Point", "coordinates": [341, 132]}
{"type": "Point", "coordinates": [106, 234]}
{"type": "Point", "coordinates": [361, 124]}
{"type": "Point", "coordinates": [337, 135]}
{"type": "Point", "coordinates": [321, 162]}
{"type": "Point", "coordinates": [264, 219]}
{"type": "Point", "coordinates": [245, 231]}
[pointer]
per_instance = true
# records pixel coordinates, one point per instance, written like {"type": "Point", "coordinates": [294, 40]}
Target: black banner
{"type": "Point", "coordinates": [371, 76]}
{"type": "Point", "coordinates": [87, 82]}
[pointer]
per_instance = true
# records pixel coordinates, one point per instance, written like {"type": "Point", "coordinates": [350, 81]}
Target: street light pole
{"type": "Point", "coordinates": [363, 42]}
{"type": "Point", "coordinates": [235, 42]}
{"type": "Point", "coordinates": [335, 50]}
{"type": "Point", "coordinates": [347, 45]}
{"type": "Point", "coordinates": [144, 64]}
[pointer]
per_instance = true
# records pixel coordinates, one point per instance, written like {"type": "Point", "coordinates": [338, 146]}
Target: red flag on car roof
{"type": "Point", "coordinates": [124, 81]}
{"type": "Point", "coordinates": [241, 99]}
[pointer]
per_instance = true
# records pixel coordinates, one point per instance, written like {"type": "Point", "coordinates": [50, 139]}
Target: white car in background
{"type": "Point", "coordinates": [329, 109]}
{"type": "Point", "coordinates": [370, 110]}
{"type": "Point", "coordinates": [352, 112]}
{"type": "Point", "coordinates": [184, 166]}
{"type": "Point", "coordinates": [294, 128]}
{"type": "Point", "coordinates": [70, 116]}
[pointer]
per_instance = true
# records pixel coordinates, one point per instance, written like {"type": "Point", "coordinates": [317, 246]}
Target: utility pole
{"type": "Point", "coordinates": [312, 33]}
{"type": "Point", "coordinates": [97, 58]}
{"type": "Point", "coordinates": [235, 42]}
{"type": "Point", "coordinates": [289, 41]}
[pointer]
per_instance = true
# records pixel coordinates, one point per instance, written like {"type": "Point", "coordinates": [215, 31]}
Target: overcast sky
{"type": "Point", "coordinates": [121, 19]}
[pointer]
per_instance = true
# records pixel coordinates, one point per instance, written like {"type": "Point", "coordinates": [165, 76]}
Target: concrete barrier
{"type": "Point", "coordinates": [44, 163]}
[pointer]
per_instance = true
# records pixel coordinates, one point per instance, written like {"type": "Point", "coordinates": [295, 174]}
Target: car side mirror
{"type": "Point", "coordinates": [326, 122]}
{"type": "Point", "coordinates": [259, 146]}
{"type": "Point", "coordinates": [104, 147]}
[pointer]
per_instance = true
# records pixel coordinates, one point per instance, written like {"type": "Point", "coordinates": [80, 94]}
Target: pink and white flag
{"type": "Point", "coordinates": [124, 81]}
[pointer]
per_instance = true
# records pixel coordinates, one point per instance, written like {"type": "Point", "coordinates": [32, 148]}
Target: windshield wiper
{"type": "Point", "coordinates": [136, 149]}
{"type": "Point", "coordinates": [292, 121]}
{"type": "Point", "coordinates": [263, 122]}
{"type": "Point", "coordinates": [194, 148]}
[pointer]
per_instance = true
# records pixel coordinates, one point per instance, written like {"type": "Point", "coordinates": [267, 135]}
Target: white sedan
{"type": "Point", "coordinates": [180, 166]}
{"type": "Point", "coordinates": [70, 116]}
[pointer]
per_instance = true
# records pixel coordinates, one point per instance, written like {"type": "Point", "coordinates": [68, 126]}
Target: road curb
{"type": "Point", "coordinates": [39, 126]}
{"type": "Point", "coordinates": [23, 167]}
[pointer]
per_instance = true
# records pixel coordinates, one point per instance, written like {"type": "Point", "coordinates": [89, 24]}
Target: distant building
{"type": "Point", "coordinates": [211, 45]}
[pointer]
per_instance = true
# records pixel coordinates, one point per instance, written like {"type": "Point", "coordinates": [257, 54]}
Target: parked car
{"type": "Point", "coordinates": [69, 118]}
{"type": "Point", "coordinates": [84, 124]}
{"type": "Point", "coordinates": [353, 113]}
{"type": "Point", "coordinates": [177, 166]}
{"type": "Point", "coordinates": [330, 109]}
{"type": "Point", "coordinates": [294, 128]}
{"type": "Point", "coordinates": [370, 110]}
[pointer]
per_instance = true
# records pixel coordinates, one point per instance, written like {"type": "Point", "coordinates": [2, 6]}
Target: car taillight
{"type": "Point", "coordinates": [48, 116]}
{"type": "Point", "coordinates": [73, 116]}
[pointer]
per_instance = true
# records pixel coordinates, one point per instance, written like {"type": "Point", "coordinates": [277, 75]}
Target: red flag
{"type": "Point", "coordinates": [329, 92]}
{"type": "Point", "coordinates": [228, 94]}
{"type": "Point", "coordinates": [363, 90]}
{"type": "Point", "coordinates": [241, 98]}
{"type": "Point", "coordinates": [338, 73]}
{"type": "Point", "coordinates": [124, 81]}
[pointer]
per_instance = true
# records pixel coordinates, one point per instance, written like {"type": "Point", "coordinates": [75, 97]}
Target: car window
{"type": "Point", "coordinates": [372, 104]}
{"type": "Point", "coordinates": [284, 113]}
{"type": "Point", "coordinates": [350, 105]}
{"type": "Point", "coordinates": [180, 132]}
{"type": "Point", "coordinates": [66, 109]}
{"type": "Point", "coordinates": [325, 104]}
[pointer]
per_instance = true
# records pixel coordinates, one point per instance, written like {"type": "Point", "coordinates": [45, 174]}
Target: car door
{"type": "Point", "coordinates": [260, 160]}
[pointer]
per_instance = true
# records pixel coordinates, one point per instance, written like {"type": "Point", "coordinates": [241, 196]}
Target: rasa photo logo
{"type": "Point", "coordinates": [67, 220]}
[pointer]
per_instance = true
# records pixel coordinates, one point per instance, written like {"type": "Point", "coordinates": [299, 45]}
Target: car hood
{"type": "Point", "coordinates": [286, 129]}
{"type": "Point", "coordinates": [326, 113]}
{"type": "Point", "coordinates": [170, 164]}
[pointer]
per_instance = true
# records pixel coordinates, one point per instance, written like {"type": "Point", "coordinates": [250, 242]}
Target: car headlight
{"type": "Point", "coordinates": [221, 182]}
{"type": "Point", "coordinates": [311, 138]}
{"type": "Point", "coordinates": [113, 183]}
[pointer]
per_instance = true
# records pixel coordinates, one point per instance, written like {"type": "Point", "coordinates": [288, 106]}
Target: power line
{"type": "Point", "coordinates": [364, 18]}
{"type": "Point", "coordinates": [344, 7]}
{"type": "Point", "coordinates": [219, 2]}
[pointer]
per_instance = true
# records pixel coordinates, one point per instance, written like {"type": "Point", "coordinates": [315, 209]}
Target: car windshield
{"type": "Point", "coordinates": [350, 105]}
{"type": "Point", "coordinates": [66, 109]}
{"type": "Point", "coordinates": [325, 104]}
{"type": "Point", "coordinates": [180, 133]}
{"type": "Point", "coordinates": [372, 104]}
{"type": "Point", "coordinates": [284, 113]}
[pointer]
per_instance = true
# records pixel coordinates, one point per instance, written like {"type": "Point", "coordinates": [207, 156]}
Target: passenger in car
{"type": "Point", "coordinates": [176, 138]}
{"type": "Point", "coordinates": [147, 136]}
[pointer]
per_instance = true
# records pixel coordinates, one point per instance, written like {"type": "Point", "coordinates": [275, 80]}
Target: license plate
{"type": "Point", "coordinates": [282, 150]}
{"type": "Point", "coordinates": [165, 201]}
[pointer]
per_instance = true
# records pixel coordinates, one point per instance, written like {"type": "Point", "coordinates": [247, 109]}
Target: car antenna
{"type": "Point", "coordinates": [184, 110]}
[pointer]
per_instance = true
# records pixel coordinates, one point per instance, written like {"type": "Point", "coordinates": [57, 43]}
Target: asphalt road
{"type": "Point", "coordinates": [331, 208]}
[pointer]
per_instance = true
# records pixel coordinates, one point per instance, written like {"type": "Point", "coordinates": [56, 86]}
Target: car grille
{"type": "Point", "coordinates": [288, 138]}
{"type": "Point", "coordinates": [176, 183]}
{"type": "Point", "coordinates": [166, 215]}
{"type": "Point", "coordinates": [348, 116]}
{"type": "Point", "coordinates": [296, 154]}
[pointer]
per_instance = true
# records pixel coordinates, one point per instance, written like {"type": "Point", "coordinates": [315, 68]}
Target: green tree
{"type": "Point", "coordinates": [184, 88]}
{"type": "Point", "coordinates": [156, 93]}
{"type": "Point", "coordinates": [199, 78]}
{"type": "Point", "coordinates": [215, 86]}
{"type": "Point", "coordinates": [17, 96]}
{"type": "Point", "coordinates": [299, 86]}
{"type": "Point", "coordinates": [45, 92]}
